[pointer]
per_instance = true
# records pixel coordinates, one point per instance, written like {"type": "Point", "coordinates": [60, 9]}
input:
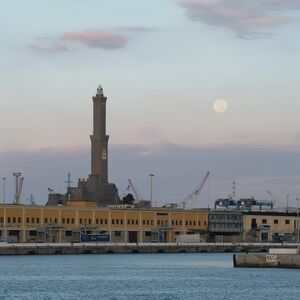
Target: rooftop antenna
{"type": "Point", "coordinates": [69, 181]}
{"type": "Point", "coordinates": [4, 180]}
{"type": "Point", "coordinates": [233, 190]}
{"type": "Point", "coordinates": [31, 199]}
{"type": "Point", "coordinates": [272, 197]}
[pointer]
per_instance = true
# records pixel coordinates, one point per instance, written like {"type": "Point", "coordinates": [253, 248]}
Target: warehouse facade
{"type": "Point", "coordinates": [34, 223]}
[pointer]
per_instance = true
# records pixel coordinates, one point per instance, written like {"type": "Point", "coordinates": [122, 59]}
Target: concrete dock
{"type": "Point", "coordinates": [266, 260]}
{"type": "Point", "coordinates": [102, 248]}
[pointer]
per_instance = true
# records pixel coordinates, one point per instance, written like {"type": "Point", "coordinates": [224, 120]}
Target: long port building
{"type": "Point", "coordinates": [67, 223]}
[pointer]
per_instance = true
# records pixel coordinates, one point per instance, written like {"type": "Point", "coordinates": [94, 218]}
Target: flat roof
{"type": "Point", "coordinates": [269, 213]}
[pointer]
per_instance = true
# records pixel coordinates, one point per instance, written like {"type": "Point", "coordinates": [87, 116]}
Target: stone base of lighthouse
{"type": "Point", "coordinates": [93, 190]}
{"type": "Point", "coordinates": [88, 190]}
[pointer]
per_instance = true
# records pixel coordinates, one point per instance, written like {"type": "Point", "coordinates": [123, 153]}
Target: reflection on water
{"type": "Point", "coordinates": [141, 276]}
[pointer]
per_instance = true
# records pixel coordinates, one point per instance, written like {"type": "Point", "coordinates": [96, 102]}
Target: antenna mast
{"type": "Point", "coordinates": [69, 181]}
{"type": "Point", "coordinates": [233, 190]}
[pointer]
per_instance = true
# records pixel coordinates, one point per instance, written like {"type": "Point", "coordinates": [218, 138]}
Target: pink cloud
{"type": "Point", "coordinates": [96, 39]}
{"type": "Point", "coordinates": [91, 39]}
{"type": "Point", "coordinates": [48, 45]}
{"type": "Point", "coordinates": [246, 18]}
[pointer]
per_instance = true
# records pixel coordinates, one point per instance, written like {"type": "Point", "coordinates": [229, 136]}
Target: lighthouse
{"type": "Point", "coordinates": [99, 139]}
{"type": "Point", "coordinates": [96, 187]}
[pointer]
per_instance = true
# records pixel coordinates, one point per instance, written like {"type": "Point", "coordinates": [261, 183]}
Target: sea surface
{"type": "Point", "coordinates": [141, 276]}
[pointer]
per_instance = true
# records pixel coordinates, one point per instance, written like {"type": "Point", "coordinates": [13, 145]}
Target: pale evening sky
{"type": "Point", "coordinates": [162, 64]}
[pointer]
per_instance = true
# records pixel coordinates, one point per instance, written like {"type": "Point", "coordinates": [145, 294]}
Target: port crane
{"type": "Point", "coordinates": [191, 200]}
{"type": "Point", "coordinates": [136, 194]}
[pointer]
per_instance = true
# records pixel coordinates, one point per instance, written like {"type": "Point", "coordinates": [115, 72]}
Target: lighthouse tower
{"type": "Point", "coordinates": [99, 139]}
{"type": "Point", "coordinates": [96, 187]}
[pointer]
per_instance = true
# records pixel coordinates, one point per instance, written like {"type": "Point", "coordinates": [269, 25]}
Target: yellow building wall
{"type": "Point", "coordinates": [51, 217]}
{"type": "Point", "coordinates": [82, 204]}
{"type": "Point", "coordinates": [34, 217]}
{"type": "Point", "coordinates": [282, 228]}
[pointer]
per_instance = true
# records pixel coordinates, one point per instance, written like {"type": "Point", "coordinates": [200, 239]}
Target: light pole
{"type": "Point", "coordinates": [298, 222]}
{"type": "Point", "coordinates": [4, 180]}
{"type": "Point", "coordinates": [151, 188]}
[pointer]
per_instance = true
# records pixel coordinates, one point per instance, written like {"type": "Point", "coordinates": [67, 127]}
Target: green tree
{"type": "Point", "coordinates": [128, 199]}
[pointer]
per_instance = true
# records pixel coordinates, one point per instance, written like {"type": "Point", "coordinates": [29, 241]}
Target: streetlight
{"type": "Point", "coordinates": [298, 222]}
{"type": "Point", "coordinates": [151, 188]}
{"type": "Point", "coordinates": [4, 180]}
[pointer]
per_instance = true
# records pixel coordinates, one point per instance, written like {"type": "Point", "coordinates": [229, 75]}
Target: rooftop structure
{"type": "Point", "coordinates": [246, 204]}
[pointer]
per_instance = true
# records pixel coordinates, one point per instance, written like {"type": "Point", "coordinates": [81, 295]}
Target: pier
{"type": "Point", "coordinates": [260, 260]}
{"type": "Point", "coordinates": [110, 248]}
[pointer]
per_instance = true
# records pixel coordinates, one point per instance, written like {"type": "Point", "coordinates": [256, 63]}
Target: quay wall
{"type": "Point", "coordinates": [102, 248]}
{"type": "Point", "coordinates": [260, 260]}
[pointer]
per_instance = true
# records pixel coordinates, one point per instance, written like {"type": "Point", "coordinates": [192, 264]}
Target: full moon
{"type": "Point", "coordinates": [220, 105]}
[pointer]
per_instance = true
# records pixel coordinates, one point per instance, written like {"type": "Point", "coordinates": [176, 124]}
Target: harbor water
{"type": "Point", "coordinates": [141, 276]}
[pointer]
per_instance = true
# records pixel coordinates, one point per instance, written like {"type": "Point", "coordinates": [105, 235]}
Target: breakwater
{"type": "Point", "coordinates": [262, 260]}
{"type": "Point", "coordinates": [101, 248]}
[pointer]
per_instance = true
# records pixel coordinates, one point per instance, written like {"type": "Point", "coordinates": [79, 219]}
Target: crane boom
{"type": "Point", "coordinates": [193, 196]}
{"type": "Point", "coordinates": [136, 194]}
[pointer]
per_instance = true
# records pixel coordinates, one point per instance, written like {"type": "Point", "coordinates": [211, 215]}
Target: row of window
{"type": "Point", "coordinates": [54, 221]}
{"type": "Point", "coordinates": [275, 221]}
{"type": "Point", "coordinates": [187, 223]}
{"type": "Point", "coordinates": [159, 222]}
{"type": "Point", "coordinates": [18, 220]}
{"type": "Point", "coordinates": [287, 234]}
{"type": "Point", "coordinates": [220, 225]}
